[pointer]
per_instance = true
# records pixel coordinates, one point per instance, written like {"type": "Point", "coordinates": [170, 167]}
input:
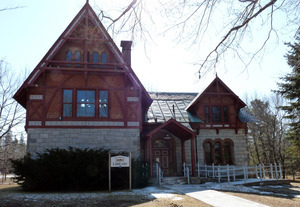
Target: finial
{"type": "Point", "coordinates": [216, 74]}
{"type": "Point", "coordinates": [87, 1]}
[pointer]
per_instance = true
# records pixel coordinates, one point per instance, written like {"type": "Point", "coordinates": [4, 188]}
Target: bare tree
{"type": "Point", "coordinates": [268, 141]}
{"type": "Point", "coordinates": [11, 113]}
{"type": "Point", "coordinates": [232, 23]}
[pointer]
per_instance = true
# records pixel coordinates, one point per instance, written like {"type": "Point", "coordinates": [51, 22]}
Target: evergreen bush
{"type": "Point", "coordinates": [74, 169]}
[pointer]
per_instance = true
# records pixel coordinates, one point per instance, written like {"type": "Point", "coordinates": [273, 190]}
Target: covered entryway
{"type": "Point", "coordinates": [160, 146]}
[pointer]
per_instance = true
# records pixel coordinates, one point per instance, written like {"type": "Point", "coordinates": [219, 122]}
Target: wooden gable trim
{"type": "Point", "coordinates": [219, 83]}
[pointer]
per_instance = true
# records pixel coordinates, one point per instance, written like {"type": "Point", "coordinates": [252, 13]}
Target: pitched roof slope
{"type": "Point", "coordinates": [80, 20]}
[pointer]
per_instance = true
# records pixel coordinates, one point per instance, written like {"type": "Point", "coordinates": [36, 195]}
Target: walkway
{"type": "Point", "coordinates": [213, 197]}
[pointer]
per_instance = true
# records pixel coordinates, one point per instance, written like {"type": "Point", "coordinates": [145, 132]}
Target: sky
{"type": "Point", "coordinates": [165, 66]}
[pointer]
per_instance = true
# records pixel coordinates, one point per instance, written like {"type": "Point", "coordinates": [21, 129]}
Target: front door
{"type": "Point", "coordinates": [161, 156]}
{"type": "Point", "coordinates": [164, 154]}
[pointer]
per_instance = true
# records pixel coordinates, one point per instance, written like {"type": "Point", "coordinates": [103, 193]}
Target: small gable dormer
{"type": "Point", "coordinates": [218, 107]}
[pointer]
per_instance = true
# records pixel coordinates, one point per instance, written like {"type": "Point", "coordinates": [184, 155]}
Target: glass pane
{"type": "Point", "coordinates": [207, 115]}
{"type": "Point", "coordinates": [77, 56]}
{"type": "Point", "coordinates": [81, 96]}
{"type": "Point", "coordinates": [216, 114]}
{"type": "Point", "coordinates": [217, 153]}
{"type": "Point", "coordinates": [67, 110]}
{"type": "Point", "coordinates": [69, 56]}
{"type": "Point", "coordinates": [90, 110]}
{"type": "Point", "coordinates": [81, 109]}
{"type": "Point", "coordinates": [225, 114]}
{"type": "Point", "coordinates": [95, 57]}
{"type": "Point", "coordinates": [227, 153]}
{"type": "Point", "coordinates": [67, 96]}
{"type": "Point", "coordinates": [103, 97]}
{"type": "Point", "coordinates": [103, 110]}
{"type": "Point", "coordinates": [207, 153]}
{"type": "Point", "coordinates": [103, 58]}
{"type": "Point", "coordinates": [90, 96]}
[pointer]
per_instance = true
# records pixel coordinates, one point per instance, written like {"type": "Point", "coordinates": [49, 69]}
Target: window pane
{"type": "Point", "coordinates": [103, 110]}
{"type": "Point", "coordinates": [80, 96]}
{"type": "Point", "coordinates": [85, 103]}
{"type": "Point", "coordinates": [67, 110]}
{"type": "Point", "coordinates": [207, 148]}
{"type": "Point", "coordinates": [103, 97]}
{"type": "Point", "coordinates": [207, 115]}
{"type": "Point", "coordinates": [216, 114]}
{"type": "Point", "coordinates": [103, 58]}
{"type": "Point", "coordinates": [225, 114]}
{"type": "Point", "coordinates": [227, 153]}
{"type": "Point", "coordinates": [67, 96]}
{"type": "Point", "coordinates": [217, 153]}
{"type": "Point", "coordinates": [77, 56]}
{"type": "Point", "coordinates": [69, 56]}
{"type": "Point", "coordinates": [95, 57]}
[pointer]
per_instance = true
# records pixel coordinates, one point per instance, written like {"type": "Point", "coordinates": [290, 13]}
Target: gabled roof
{"type": "Point", "coordinates": [216, 87]}
{"type": "Point", "coordinates": [86, 13]}
{"type": "Point", "coordinates": [175, 128]}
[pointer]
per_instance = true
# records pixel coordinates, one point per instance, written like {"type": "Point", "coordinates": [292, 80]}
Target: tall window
{"type": "Point", "coordinates": [77, 57]}
{"type": "Point", "coordinates": [85, 103]}
{"type": "Point", "coordinates": [207, 114]}
{"type": "Point", "coordinates": [218, 156]}
{"type": "Point", "coordinates": [103, 104]}
{"type": "Point", "coordinates": [103, 57]}
{"type": "Point", "coordinates": [69, 57]}
{"type": "Point", "coordinates": [216, 114]}
{"type": "Point", "coordinates": [208, 152]}
{"type": "Point", "coordinates": [67, 103]}
{"type": "Point", "coordinates": [228, 151]}
{"type": "Point", "coordinates": [95, 57]}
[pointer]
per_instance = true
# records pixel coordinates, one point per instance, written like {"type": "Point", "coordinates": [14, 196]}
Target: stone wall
{"type": "Point", "coordinates": [115, 139]}
{"type": "Point", "coordinates": [241, 153]}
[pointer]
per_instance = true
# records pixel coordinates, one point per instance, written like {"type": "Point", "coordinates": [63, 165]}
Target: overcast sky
{"type": "Point", "coordinates": [28, 33]}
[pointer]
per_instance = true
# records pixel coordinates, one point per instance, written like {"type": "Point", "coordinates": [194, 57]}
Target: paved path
{"type": "Point", "coordinates": [213, 197]}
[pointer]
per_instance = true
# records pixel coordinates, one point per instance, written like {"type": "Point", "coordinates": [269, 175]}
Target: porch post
{"type": "Point", "coordinates": [193, 156]}
{"type": "Point", "coordinates": [183, 151]}
{"type": "Point", "coordinates": [150, 156]}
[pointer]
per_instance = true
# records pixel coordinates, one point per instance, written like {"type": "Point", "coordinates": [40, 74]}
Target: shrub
{"type": "Point", "coordinates": [74, 169]}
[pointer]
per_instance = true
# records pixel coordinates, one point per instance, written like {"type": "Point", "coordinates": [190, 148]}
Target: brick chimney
{"type": "Point", "coordinates": [126, 51]}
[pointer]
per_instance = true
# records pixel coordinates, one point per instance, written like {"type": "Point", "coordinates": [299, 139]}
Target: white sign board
{"type": "Point", "coordinates": [119, 161]}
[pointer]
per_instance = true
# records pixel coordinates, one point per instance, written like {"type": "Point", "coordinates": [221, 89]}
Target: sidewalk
{"type": "Point", "coordinates": [213, 197]}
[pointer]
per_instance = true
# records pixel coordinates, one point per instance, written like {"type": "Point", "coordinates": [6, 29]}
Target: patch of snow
{"type": "Point", "coordinates": [162, 195]}
{"type": "Point", "coordinates": [177, 198]}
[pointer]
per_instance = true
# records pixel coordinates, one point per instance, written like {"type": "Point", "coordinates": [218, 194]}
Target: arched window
{"type": "Point", "coordinates": [218, 152]}
{"type": "Point", "coordinates": [95, 57]}
{"type": "Point", "coordinates": [77, 57]}
{"type": "Point", "coordinates": [228, 151]}
{"type": "Point", "coordinates": [208, 153]}
{"type": "Point", "coordinates": [69, 56]}
{"type": "Point", "coordinates": [103, 57]}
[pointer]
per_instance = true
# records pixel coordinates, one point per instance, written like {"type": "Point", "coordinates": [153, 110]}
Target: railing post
{"type": "Point", "coordinates": [188, 174]}
{"type": "Point", "coordinates": [271, 166]}
{"type": "Point", "coordinates": [228, 174]}
{"type": "Point", "coordinates": [198, 168]}
{"type": "Point", "coordinates": [219, 176]}
{"type": "Point", "coordinates": [213, 169]}
{"type": "Point", "coordinates": [260, 173]}
{"type": "Point", "coordinates": [233, 171]}
{"type": "Point", "coordinates": [276, 172]}
{"type": "Point", "coordinates": [264, 172]}
{"type": "Point", "coordinates": [280, 171]}
{"type": "Point", "coordinates": [256, 171]}
{"type": "Point", "coordinates": [244, 169]}
{"type": "Point", "coordinates": [206, 172]}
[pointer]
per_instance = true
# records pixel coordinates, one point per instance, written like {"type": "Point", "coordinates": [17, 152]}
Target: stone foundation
{"type": "Point", "coordinates": [117, 140]}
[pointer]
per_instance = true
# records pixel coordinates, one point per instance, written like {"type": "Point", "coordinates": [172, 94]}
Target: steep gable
{"type": "Point", "coordinates": [87, 32]}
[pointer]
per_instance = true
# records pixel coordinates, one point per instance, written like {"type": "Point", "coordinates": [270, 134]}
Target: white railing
{"type": "Point", "coordinates": [231, 172]}
{"type": "Point", "coordinates": [186, 172]}
{"type": "Point", "coordinates": [159, 174]}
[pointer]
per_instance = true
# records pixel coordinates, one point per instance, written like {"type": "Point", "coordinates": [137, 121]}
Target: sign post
{"type": "Point", "coordinates": [119, 161]}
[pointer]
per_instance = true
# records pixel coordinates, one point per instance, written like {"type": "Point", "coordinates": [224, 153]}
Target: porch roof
{"type": "Point", "coordinates": [175, 128]}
